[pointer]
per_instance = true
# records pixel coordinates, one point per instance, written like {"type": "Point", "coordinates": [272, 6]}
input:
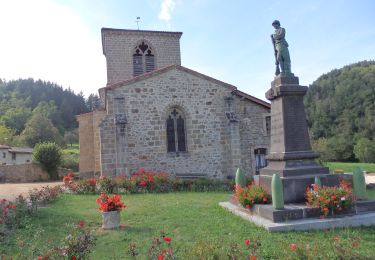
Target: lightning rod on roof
{"type": "Point", "coordinates": [137, 21]}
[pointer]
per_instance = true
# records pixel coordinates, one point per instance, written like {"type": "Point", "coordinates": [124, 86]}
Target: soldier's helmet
{"type": "Point", "coordinates": [276, 22]}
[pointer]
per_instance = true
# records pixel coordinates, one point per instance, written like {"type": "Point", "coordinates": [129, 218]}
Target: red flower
{"type": "Point", "coordinates": [160, 257]}
{"type": "Point", "coordinates": [253, 257]}
{"type": "Point", "coordinates": [108, 203]}
{"type": "Point", "coordinates": [74, 258]}
{"type": "Point", "coordinates": [165, 251]}
{"type": "Point", "coordinates": [167, 239]}
{"type": "Point", "coordinates": [92, 182]}
{"type": "Point", "coordinates": [264, 199]}
{"type": "Point", "coordinates": [247, 242]}
{"type": "Point", "coordinates": [81, 224]}
{"type": "Point", "coordinates": [143, 183]}
{"type": "Point", "coordinates": [293, 246]}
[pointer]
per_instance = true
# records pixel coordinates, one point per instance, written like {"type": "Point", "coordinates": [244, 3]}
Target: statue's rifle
{"type": "Point", "coordinates": [277, 72]}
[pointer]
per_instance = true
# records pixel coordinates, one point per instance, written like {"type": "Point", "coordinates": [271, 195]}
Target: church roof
{"type": "Point", "coordinates": [234, 89]}
{"type": "Point", "coordinates": [139, 31]}
{"type": "Point", "coordinates": [106, 31]}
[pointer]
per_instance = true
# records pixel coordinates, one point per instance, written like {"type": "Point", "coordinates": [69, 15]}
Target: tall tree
{"type": "Point", "coordinates": [340, 107]}
{"type": "Point", "coordinates": [40, 129]}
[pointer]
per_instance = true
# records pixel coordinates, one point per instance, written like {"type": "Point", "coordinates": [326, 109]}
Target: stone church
{"type": "Point", "coordinates": [155, 113]}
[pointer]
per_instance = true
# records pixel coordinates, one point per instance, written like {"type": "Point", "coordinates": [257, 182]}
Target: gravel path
{"type": "Point", "coordinates": [10, 191]}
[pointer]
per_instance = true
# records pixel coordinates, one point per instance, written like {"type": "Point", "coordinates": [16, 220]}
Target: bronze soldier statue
{"type": "Point", "coordinates": [281, 49]}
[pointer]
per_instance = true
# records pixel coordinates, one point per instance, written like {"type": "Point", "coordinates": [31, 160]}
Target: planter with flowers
{"type": "Point", "coordinates": [331, 200]}
{"type": "Point", "coordinates": [252, 194]}
{"type": "Point", "coordinates": [111, 207]}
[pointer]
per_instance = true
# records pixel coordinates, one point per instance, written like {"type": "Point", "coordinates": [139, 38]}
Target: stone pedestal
{"type": "Point", "coordinates": [290, 153]}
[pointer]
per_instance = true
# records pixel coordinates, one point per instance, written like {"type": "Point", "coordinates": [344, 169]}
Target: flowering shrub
{"type": "Point", "coordinates": [330, 199]}
{"type": "Point", "coordinates": [68, 178]}
{"type": "Point", "coordinates": [252, 194]}
{"type": "Point", "coordinates": [299, 251]}
{"type": "Point", "coordinates": [161, 248]}
{"type": "Point", "coordinates": [108, 203]}
{"type": "Point", "coordinates": [42, 196]}
{"type": "Point", "coordinates": [78, 243]}
{"type": "Point", "coordinates": [144, 181]}
{"type": "Point", "coordinates": [105, 185]}
{"type": "Point", "coordinates": [7, 212]}
{"type": "Point", "coordinates": [252, 246]}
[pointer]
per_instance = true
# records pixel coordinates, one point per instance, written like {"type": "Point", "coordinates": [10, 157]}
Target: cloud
{"type": "Point", "coordinates": [167, 7]}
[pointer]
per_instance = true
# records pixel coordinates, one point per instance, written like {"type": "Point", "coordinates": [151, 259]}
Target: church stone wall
{"type": "Point", "coordinates": [142, 142]}
{"type": "Point", "coordinates": [89, 142]}
{"type": "Point", "coordinates": [252, 131]}
{"type": "Point", "coordinates": [86, 138]}
{"type": "Point", "coordinates": [119, 45]}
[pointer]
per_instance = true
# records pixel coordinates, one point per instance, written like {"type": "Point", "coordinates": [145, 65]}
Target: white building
{"type": "Point", "coordinates": [15, 155]}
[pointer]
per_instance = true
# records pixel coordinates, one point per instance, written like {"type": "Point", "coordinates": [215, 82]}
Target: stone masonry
{"type": "Point", "coordinates": [223, 125]}
{"type": "Point", "coordinates": [118, 47]}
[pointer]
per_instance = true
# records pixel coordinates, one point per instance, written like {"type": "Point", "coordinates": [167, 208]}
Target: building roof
{"type": "Point", "coordinates": [20, 150]}
{"type": "Point", "coordinates": [141, 32]}
{"type": "Point", "coordinates": [187, 70]}
{"type": "Point", "coordinates": [3, 146]}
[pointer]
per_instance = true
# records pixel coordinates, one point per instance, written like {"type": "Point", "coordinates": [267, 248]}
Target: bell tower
{"type": "Point", "coordinates": [131, 53]}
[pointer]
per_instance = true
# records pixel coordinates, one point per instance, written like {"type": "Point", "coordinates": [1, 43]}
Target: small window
{"type": "Point", "coordinates": [260, 159]}
{"type": "Point", "coordinates": [14, 156]}
{"type": "Point", "coordinates": [268, 125]}
{"type": "Point", "coordinates": [176, 133]}
{"type": "Point", "coordinates": [4, 155]}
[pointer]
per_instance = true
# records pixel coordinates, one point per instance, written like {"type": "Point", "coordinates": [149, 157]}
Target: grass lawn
{"type": "Point", "coordinates": [71, 149]}
{"type": "Point", "coordinates": [194, 221]}
{"type": "Point", "coordinates": [349, 167]}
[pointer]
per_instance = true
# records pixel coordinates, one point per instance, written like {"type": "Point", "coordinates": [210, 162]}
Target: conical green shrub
{"type": "Point", "coordinates": [277, 192]}
{"type": "Point", "coordinates": [359, 184]}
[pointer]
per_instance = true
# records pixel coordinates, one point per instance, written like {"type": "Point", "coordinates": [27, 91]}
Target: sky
{"type": "Point", "coordinates": [60, 40]}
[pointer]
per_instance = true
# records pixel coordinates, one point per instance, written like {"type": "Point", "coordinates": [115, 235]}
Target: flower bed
{"type": "Point", "coordinates": [252, 194]}
{"type": "Point", "coordinates": [143, 181]}
{"type": "Point", "coordinates": [330, 200]}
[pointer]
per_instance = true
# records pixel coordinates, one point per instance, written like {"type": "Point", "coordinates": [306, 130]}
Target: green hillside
{"type": "Point", "coordinates": [340, 107]}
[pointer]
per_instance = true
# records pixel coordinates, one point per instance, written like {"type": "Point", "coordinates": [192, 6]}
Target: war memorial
{"type": "Point", "coordinates": [291, 162]}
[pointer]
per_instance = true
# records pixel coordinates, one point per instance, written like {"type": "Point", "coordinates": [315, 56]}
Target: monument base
{"type": "Point", "coordinates": [300, 217]}
{"type": "Point", "coordinates": [294, 168]}
{"type": "Point", "coordinates": [294, 187]}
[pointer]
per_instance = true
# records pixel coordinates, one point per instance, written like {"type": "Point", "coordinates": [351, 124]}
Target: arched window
{"type": "Point", "coordinates": [176, 137]}
{"type": "Point", "coordinates": [143, 59]}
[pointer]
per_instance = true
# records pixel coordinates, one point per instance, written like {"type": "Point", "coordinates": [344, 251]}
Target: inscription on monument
{"type": "Point", "coordinates": [277, 128]}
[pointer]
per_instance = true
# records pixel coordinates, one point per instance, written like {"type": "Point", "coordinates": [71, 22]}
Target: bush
{"type": "Point", "coordinates": [70, 161]}
{"type": "Point", "coordinates": [364, 150]}
{"type": "Point", "coordinates": [49, 155]}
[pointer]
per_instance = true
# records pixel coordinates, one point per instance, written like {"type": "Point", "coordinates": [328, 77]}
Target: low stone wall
{"type": "Point", "coordinates": [22, 173]}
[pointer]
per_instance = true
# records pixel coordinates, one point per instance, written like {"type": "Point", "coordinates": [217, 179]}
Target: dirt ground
{"type": "Point", "coordinates": [10, 191]}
